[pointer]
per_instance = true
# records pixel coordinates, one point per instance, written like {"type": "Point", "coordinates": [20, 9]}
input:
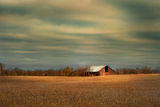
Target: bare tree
{"type": "Point", "coordinates": [1, 68]}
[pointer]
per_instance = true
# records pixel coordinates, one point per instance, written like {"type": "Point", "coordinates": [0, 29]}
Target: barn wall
{"type": "Point", "coordinates": [102, 72]}
{"type": "Point", "coordinates": [92, 73]}
{"type": "Point", "coordinates": [109, 72]}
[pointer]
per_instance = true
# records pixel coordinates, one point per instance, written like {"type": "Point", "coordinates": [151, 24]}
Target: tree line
{"type": "Point", "coordinates": [68, 71]}
{"type": "Point", "coordinates": [144, 70]}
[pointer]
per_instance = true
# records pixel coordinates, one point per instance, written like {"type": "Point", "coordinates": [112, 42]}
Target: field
{"type": "Point", "coordinates": [141, 90]}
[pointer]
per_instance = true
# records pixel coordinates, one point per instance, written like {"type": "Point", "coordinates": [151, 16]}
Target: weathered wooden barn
{"type": "Point", "coordinates": [99, 71]}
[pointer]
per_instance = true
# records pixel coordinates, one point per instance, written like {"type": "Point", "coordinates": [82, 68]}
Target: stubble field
{"type": "Point", "coordinates": [142, 90]}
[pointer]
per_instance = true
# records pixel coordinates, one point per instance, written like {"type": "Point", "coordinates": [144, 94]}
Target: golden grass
{"type": "Point", "coordinates": [142, 90]}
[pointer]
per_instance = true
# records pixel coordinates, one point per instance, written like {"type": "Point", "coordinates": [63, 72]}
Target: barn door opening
{"type": "Point", "coordinates": [106, 68]}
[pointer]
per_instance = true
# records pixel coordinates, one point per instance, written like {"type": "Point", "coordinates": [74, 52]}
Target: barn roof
{"type": "Point", "coordinates": [95, 68]}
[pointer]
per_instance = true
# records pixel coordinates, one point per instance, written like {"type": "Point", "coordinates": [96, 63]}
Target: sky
{"type": "Point", "coordinates": [51, 33]}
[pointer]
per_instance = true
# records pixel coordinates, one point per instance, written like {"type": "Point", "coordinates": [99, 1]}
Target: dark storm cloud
{"type": "Point", "coordinates": [148, 35]}
{"type": "Point", "coordinates": [10, 9]}
{"type": "Point", "coordinates": [143, 12]}
{"type": "Point", "coordinates": [140, 10]}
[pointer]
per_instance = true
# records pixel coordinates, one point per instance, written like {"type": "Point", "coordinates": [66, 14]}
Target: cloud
{"type": "Point", "coordinates": [88, 31]}
{"type": "Point", "coordinates": [23, 52]}
{"type": "Point", "coordinates": [148, 36]}
{"type": "Point", "coordinates": [13, 39]}
{"type": "Point", "coordinates": [5, 9]}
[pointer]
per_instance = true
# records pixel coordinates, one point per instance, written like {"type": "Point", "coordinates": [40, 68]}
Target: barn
{"type": "Point", "coordinates": [99, 70]}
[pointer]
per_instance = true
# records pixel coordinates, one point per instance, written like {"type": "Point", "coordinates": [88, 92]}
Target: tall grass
{"type": "Point", "coordinates": [108, 91]}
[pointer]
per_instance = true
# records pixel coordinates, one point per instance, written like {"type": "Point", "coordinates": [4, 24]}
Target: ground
{"type": "Point", "coordinates": [142, 90]}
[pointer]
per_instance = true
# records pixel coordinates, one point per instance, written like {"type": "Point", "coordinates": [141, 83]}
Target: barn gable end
{"type": "Point", "coordinates": [99, 71]}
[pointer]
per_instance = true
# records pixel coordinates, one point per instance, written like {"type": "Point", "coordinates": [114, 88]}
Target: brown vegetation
{"type": "Point", "coordinates": [108, 91]}
{"type": "Point", "coordinates": [68, 71]}
{"type": "Point", "coordinates": [62, 72]}
{"type": "Point", "coordinates": [145, 70]}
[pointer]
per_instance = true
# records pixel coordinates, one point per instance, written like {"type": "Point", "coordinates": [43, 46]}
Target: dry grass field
{"type": "Point", "coordinates": [142, 90]}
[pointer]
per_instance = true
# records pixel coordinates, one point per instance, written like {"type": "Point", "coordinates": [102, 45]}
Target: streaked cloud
{"type": "Point", "coordinates": [59, 32]}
